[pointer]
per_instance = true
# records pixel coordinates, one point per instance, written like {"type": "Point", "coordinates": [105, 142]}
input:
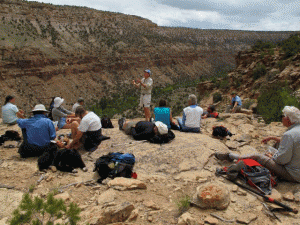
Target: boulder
{"type": "Point", "coordinates": [114, 214]}
{"type": "Point", "coordinates": [126, 183]}
{"type": "Point", "coordinates": [212, 196]}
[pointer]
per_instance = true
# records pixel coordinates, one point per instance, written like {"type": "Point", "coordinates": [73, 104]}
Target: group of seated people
{"type": "Point", "coordinates": [39, 131]}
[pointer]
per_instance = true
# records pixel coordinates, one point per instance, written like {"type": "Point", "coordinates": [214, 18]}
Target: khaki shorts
{"type": "Point", "coordinates": [145, 101]}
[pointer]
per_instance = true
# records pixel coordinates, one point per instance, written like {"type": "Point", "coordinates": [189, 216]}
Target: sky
{"type": "Point", "coordinates": [256, 15]}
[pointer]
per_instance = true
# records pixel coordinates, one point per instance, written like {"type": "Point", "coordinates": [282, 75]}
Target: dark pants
{"type": "Point", "coordinates": [92, 140]}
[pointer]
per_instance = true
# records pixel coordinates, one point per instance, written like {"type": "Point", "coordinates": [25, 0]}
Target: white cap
{"type": "Point", "coordinates": [58, 101]}
{"type": "Point", "coordinates": [161, 127]}
{"type": "Point", "coordinates": [292, 113]}
{"type": "Point", "coordinates": [39, 107]}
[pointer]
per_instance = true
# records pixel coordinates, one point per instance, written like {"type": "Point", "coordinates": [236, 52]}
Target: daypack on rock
{"type": "Point", "coordinates": [252, 173]}
{"type": "Point", "coordinates": [220, 131]}
{"type": "Point", "coordinates": [163, 139]}
{"type": "Point", "coordinates": [114, 165]}
{"type": "Point", "coordinates": [106, 122]}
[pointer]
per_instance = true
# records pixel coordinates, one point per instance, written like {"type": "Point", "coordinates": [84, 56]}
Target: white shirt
{"type": "Point", "coordinates": [90, 122]}
{"type": "Point", "coordinates": [192, 116]}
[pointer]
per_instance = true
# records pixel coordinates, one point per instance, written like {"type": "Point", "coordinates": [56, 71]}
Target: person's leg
{"type": "Point", "coordinates": [191, 129]}
{"type": "Point", "coordinates": [147, 113]}
{"type": "Point", "coordinates": [74, 128]}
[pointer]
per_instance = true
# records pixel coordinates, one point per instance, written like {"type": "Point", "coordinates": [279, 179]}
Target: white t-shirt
{"type": "Point", "coordinates": [90, 122]}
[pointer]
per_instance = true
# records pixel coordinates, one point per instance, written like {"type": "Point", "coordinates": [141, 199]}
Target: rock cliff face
{"type": "Point", "coordinates": [49, 50]}
{"type": "Point", "coordinates": [248, 83]}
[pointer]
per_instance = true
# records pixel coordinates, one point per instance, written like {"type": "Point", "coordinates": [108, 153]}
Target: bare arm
{"type": "Point", "coordinates": [267, 139]}
{"type": "Point", "coordinates": [20, 114]}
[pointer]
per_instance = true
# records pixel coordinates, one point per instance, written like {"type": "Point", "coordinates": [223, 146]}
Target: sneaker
{"type": "Point", "coordinates": [121, 122]}
{"type": "Point", "coordinates": [223, 156]}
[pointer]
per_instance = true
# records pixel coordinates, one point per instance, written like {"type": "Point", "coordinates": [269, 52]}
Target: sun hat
{"type": "Point", "coordinates": [147, 71]}
{"type": "Point", "coordinates": [58, 101]}
{"type": "Point", "coordinates": [161, 127]}
{"type": "Point", "coordinates": [39, 108]}
{"type": "Point", "coordinates": [292, 113]}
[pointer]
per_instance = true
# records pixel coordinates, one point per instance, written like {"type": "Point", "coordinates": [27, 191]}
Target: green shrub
{"type": "Point", "coordinates": [259, 71]}
{"type": "Point", "coordinates": [217, 97]}
{"type": "Point", "coordinates": [261, 45]}
{"type": "Point", "coordinates": [37, 211]}
{"type": "Point", "coordinates": [291, 46]}
{"type": "Point", "coordinates": [272, 100]}
{"type": "Point", "coordinates": [248, 103]}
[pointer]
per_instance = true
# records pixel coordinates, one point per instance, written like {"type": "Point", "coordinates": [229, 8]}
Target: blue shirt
{"type": "Point", "coordinates": [162, 114]}
{"type": "Point", "coordinates": [236, 99]}
{"type": "Point", "coordinates": [39, 129]}
{"type": "Point", "coordinates": [9, 111]}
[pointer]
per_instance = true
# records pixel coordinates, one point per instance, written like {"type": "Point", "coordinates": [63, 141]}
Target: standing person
{"type": "Point", "coordinates": [283, 162]}
{"type": "Point", "coordinates": [235, 105]}
{"type": "Point", "coordinates": [146, 86]}
{"type": "Point", "coordinates": [87, 132]}
{"type": "Point", "coordinates": [79, 102]}
{"type": "Point", "coordinates": [38, 132]}
{"type": "Point", "coordinates": [190, 122]}
{"type": "Point", "coordinates": [10, 112]}
{"type": "Point", "coordinates": [60, 114]}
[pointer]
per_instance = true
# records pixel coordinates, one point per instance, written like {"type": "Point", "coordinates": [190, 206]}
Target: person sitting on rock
{"type": "Point", "coordinates": [235, 105]}
{"type": "Point", "coordinates": [210, 113]}
{"type": "Point", "coordinates": [190, 122]}
{"type": "Point", "coordinates": [87, 132]}
{"type": "Point", "coordinates": [283, 162]}
{"type": "Point", "coordinates": [163, 113]}
{"type": "Point", "coordinates": [10, 112]}
{"type": "Point", "coordinates": [38, 132]}
{"type": "Point", "coordinates": [79, 102]}
{"type": "Point", "coordinates": [60, 114]}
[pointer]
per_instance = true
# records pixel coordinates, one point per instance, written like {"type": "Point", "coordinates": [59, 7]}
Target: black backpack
{"type": "Point", "coordinates": [106, 122]}
{"type": "Point", "coordinates": [114, 164]}
{"type": "Point", "coordinates": [220, 131]}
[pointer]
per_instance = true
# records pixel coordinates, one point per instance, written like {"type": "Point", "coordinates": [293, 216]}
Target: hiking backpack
{"type": "Point", "coordinates": [221, 131]}
{"type": "Point", "coordinates": [114, 164]}
{"type": "Point", "coordinates": [253, 174]}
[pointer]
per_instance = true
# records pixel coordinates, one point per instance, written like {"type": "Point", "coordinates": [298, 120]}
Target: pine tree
{"type": "Point", "coordinates": [38, 211]}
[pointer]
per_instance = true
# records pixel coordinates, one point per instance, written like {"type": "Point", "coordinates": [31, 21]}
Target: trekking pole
{"type": "Point", "coordinates": [129, 143]}
{"type": "Point", "coordinates": [287, 208]}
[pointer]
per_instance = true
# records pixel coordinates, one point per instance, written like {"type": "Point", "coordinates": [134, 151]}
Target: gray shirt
{"type": "Point", "coordinates": [289, 151]}
{"type": "Point", "coordinates": [58, 113]}
{"type": "Point", "coordinates": [149, 83]}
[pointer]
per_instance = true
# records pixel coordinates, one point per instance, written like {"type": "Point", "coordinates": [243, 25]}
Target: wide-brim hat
{"type": "Point", "coordinates": [58, 101]}
{"type": "Point", "coordinates": [39, 108]}
{"type": "Point", "coordinates": [147, 71]}
{"type": "Point", "coordinates": [161, 127]}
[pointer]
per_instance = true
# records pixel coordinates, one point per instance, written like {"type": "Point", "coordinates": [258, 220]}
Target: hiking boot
{"type": "Point", "coordinates": [233, 170]}
{"type": "Point", "coordinates": [223, 156]}
{"type": "Point", "coordinates": [121, 122]}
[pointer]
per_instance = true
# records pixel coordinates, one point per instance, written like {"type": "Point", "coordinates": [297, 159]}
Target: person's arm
{"type": "Point", "coordinates": [57, 113]}
{"type": "Point", "coordinates": [20, 114]}
{"type": "Point", "coordinates": [52, 131]}
{"type": "Point", "coordinates": [171, 117]}
{"type": "Point", "coordinates": [137, 85]}
{"type": "Point", "coordinates": [148, 84]}
{"type": "Point", "coordinates": [267, 139]}
{"type": "Point", "coordinates": [285, 150]}
{"type": "Point", "coordinates": [75, 140]}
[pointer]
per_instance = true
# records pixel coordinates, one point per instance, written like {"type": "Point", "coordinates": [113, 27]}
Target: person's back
{"type": "Point", "coordinates": [192, 116]}
{"type": "Point", "coordinates": [9, 111]}
{"type": "Point", "coordinates": [39, 129]}
{"type": "Point", "coordinates": [163, 114]}
{"type": "Point", "coordinates": [289, 151]}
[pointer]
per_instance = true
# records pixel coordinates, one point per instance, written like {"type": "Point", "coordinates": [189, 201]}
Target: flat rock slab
{"type": "Point", "coordinates": [246, 218]}
{"type": "Point", "coordinates": [9, 201]}
{"type": "Point", "coordinates": [107, 196]}
{"type": "Point", "coordinates": [126, 183]}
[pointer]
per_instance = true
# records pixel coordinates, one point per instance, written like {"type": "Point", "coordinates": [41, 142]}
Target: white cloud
{"type": "Point", "coordinates": [210, 14]}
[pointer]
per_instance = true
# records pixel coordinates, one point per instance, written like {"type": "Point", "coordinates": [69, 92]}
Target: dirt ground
{"type": "Point", "coordinates": [170, 171]}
